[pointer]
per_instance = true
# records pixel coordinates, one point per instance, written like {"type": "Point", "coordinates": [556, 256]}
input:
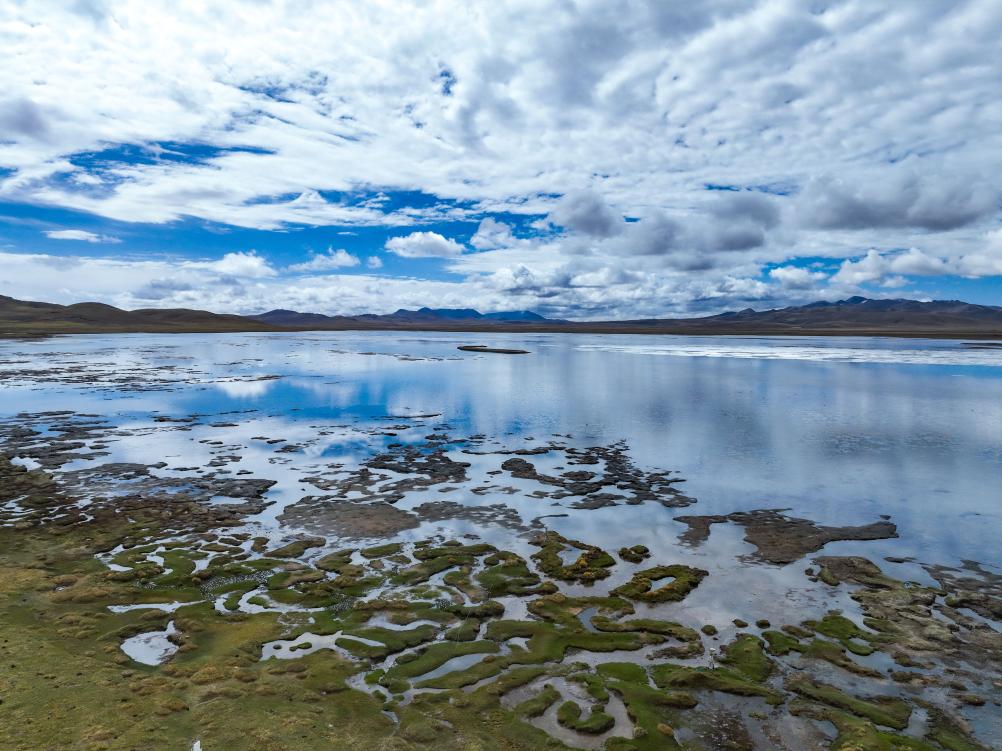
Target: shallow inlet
{"type": "Point", "coordinates": [152, 647]}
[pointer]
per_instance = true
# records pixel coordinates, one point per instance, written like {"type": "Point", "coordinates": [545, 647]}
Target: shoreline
{"type": "Point", "coordinates": [570, 328]}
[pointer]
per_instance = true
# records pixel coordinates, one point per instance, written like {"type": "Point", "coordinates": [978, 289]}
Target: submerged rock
{"type": "Point", "coordinates": [779, 538]}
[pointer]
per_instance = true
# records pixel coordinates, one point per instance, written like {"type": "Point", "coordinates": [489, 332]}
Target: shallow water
{"type": "Point", "coordinates": [838, 430]}
{"type": "Point", "coordinates": [151, 647]}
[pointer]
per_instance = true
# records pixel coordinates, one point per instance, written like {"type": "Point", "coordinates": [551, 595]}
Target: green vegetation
{"type": "Point", "coordinates": [641, 587]}
{"type": "Point", "coordinates": [382, 551]}
{"type": "Point", "coordinates": [635, 554]}
{"type": "Point", "coordinates": [538, 704]}
{"type": "Point", "coordinates": [592, 563]}
{"type": "Point", "coordinates": [414, 664]}
{"type": "Point", "coordinates": [569, 715]}
{"type": "Point", "coordinates": [62, 656]}
{"type": "Point", "coordinates": [746, 656]}
{"type": "Point", "coordinates": [882, 710]}
{"type": "Point", "coordinates": [715, 679]}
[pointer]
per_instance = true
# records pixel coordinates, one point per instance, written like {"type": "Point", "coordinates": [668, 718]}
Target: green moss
{"type": "Point", "coordinates": [394, 640]}
{"type": "Point", "coordinates": [539, 703]}
{"type": "Point", "coordinates": [432, 561]}
{"type": "Point", "coordinates": [746, 656]}
{"type": "Point", "coordinates": [641, 586]}
{"type": "Point", "coordinates": [948, 733]}
{"type": "Point", "coordinates": [508, 574]}
{"type": "Point", "coordinates": [709, 629]}
{"type": "Point", "coordinates": [648, 625]}
{"type": "Point", "coordinates": [181, 565]}
{"type": "Point", "coordinates": [467, 630]}
{"type": "Point", "coordinates": [828, 577]}
{"type": "Point", "coordinates": [882, 710]}
{"type": "Point", "coordinates": [547, 643]}
{"type": "Point", "coordinates": [564, 610]}
{"type": "Point", "coordinates": [796, 631]}
{"type": "Point", "coordinates": [623, 671]}
{"type": "Point", "coordinates": [857, 734]}
{"type": "Point", "coordinates": [335, 561]}
{"type": "Point", "coordinates": [835, 654]}
{"type": "Point", "coordinates": [836, 626]}
{"type": "Point", "coordinates": [453, 549]}
{"type": "Point", "coordinates": [480, 611]}
{"type": "Point", "coordinates": [382, 551]}
{"type": "Point", "coordinates": [779, 643]}
{"type": "Point", "coordinates": [653, 713]}
{"type": "Point", "coordinates": [436, 655]}
{"type": "Point", "coordinates": [635, 554]}
{"type": "Point", "coordinates": [296, 548]}
{"type": "Point", "coordinates": [592, 563]}
{"type": "Point", "coordinates": [570, 715]}
{"type": "Point", "coordinates": [670, 676]}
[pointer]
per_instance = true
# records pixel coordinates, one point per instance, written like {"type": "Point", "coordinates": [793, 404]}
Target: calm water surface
{"type": "Point", "coordinates": [837, 430]}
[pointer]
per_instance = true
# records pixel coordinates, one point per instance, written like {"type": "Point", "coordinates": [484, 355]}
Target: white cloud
{"type": "Point", "coordinates": [796, 277]}
{"type": "Point", "coordinates": [491, 235]}
{"type": "Point", "coordinates": [374, 262]}
{"type": "Point", "coordinates": [241, 264]}
{"type": "Point", "coordinates": [332, 259]}
{"type": "Point", "coordinates": [823, 129]}
{"type": "Point", "coordinates": [641, 104]}
{"type": "Point", "coordinates": [423, 245]}
{"type": "Point", "coordinates": [79, 234]}
{"type": "Point", "coordinates": [585, 211]}
{"type": "Point", "coordinates": [896, 197]}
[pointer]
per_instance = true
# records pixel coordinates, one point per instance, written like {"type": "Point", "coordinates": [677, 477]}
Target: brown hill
{"type": "Point", "coordinates": [856, 316]}
{"type": "Point", "coordinates": [22, 317]}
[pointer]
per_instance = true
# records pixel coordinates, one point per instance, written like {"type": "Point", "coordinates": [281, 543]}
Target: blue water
{"type": "Point", "coordinates": [837, 430]}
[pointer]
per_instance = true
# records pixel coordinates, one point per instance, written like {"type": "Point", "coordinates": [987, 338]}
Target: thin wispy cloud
{"type": "Point", "coordinates": [79, 235]}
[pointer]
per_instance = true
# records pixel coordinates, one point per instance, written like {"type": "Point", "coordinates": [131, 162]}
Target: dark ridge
{"type": "Point", "coordinates": [855, 316]}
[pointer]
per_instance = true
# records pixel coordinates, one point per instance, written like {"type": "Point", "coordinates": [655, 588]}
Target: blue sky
{"type": "Point", "coordinates": [585, 159]}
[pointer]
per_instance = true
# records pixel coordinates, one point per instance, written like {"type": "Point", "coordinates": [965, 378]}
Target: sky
{"type": "Point", "coordinates": [588, 160]}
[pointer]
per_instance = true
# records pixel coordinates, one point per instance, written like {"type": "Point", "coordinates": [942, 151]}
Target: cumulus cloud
{"type": "Point", "coordinates": [905, 199]}
{"type": "Point", "coordinates": [881, 267]}
{"type": "Point", "coordinates": [23, 117]}
{"type": "Point", "coordinates": [162, 289]}
{"type": "Point", "coordinates": [374, 262]}
{"type": "Point", "coordinates": [423, 245]}
{"type": "Point", "coordinates": [585, 211]}
{"type": "Point", "coordinates": [332, 259]}
{"type": "Point", "coordinates": [491, 235]}
{"type": "Point", "coordinates": [240, 264]}
{"type": "Point", "coordinates": [822, 129]}
{"type": "Point", "coordinates": [797, 277]}
{"type": "Point", "coordinates": [80, 235]}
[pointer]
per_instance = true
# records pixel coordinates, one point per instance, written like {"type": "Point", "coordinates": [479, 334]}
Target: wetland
{"type": "Point", "coordinates": [399, 541]}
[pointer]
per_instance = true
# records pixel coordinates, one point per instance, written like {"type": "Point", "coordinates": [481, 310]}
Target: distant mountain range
{"type": "Point", "coordinates": [421, 316]}
{"type": "Point", "coordinates": [858, 316]}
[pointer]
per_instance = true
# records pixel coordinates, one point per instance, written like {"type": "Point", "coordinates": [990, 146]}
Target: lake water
{"type": "Point", "coordinates": [837, 430]}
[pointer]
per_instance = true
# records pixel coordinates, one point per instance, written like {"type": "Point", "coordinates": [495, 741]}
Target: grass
{"type": "Point", "coordinates": [539, 703]}
{"type": "Point", "coordinates": [641, 586]}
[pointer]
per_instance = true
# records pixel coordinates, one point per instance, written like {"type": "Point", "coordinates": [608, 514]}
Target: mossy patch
{"type": "Point", "coordinates": [592, 563]}
{"type": "Point", "coordinates": [642, 587]}
{"type": "Point", "coordinates": [570, 715]}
